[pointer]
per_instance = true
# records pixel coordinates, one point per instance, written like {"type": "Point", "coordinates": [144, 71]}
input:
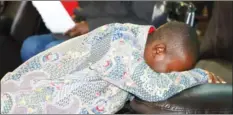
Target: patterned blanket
{"type": "Point", "coordinates": [95, 73]}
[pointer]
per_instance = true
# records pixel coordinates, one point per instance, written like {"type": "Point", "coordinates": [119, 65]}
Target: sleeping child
{"type": "Point", "coordinates": [98, 72]}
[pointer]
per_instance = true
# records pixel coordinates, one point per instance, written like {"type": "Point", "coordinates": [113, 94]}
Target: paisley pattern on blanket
{"type": "Point", "coordinates": [91, 74]}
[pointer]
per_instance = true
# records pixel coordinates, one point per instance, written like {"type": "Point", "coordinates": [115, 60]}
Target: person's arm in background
{"type": "Point", "coordinates": [100, 13]}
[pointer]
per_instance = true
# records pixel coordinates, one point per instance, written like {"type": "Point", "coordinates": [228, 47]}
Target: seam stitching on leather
{"type": "Point", "coordinates": [168, 108]}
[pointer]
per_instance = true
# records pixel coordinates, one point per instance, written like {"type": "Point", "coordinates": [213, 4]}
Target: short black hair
{"type": "Point", "coordinates": [178, 35]}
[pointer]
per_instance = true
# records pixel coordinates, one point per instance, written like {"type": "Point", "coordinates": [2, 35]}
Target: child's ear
{"type": "Point", "coordinates": [158, 50]}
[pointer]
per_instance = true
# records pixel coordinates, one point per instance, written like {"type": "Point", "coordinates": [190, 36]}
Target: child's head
{"type": "Point", "coordinates": [172, 47]}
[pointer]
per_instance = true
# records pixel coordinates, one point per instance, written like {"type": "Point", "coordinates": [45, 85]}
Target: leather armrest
{"type": "Point", "coordinates": [25, 22]}
{"type": "Point", "coordinates": [207, 98]}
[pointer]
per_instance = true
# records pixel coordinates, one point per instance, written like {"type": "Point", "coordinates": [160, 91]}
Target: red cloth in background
{"type": "Point", "coordinates": [70, 6]}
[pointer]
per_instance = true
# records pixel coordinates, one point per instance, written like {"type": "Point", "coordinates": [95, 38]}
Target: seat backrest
{"type": "Point", "coordinates": [217, 42]}
{"type": "Point", "coordinates": [25, 22]}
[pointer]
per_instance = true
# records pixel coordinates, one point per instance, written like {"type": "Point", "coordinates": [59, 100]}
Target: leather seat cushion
{"type": "Point", "coordinates": [207, 98]}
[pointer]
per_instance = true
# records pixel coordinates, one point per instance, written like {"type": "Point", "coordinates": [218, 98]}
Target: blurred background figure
{"type": "Point", "coordinates": [89, 15]}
